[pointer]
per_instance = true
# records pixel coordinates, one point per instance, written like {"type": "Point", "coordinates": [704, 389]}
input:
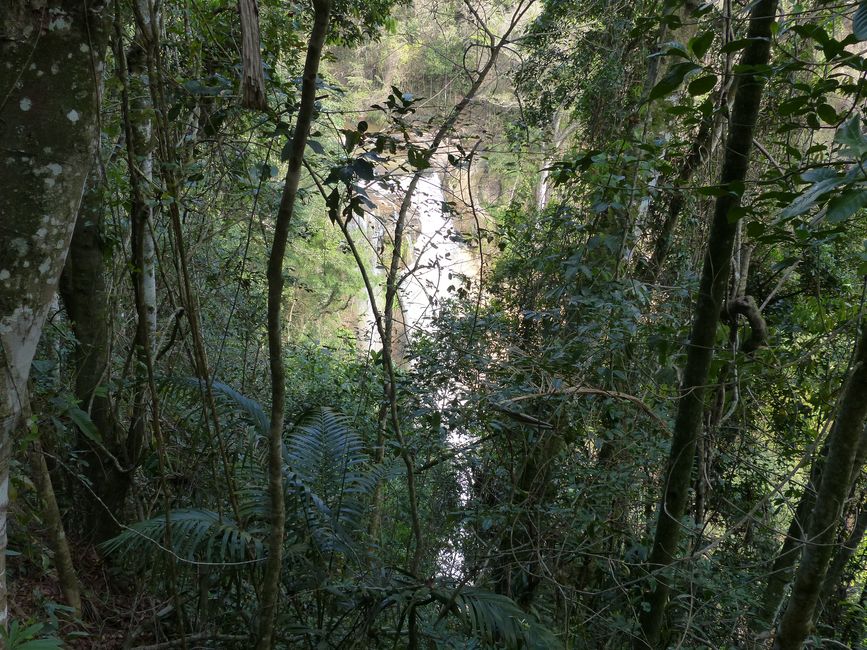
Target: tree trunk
{"type": "Point", "coordinates": [137, 110]}
{"type": "Point", "coordinates": [834, 579]}
{"type": "Point", "coordinates": [252, 72]}
{"type": "Point", "coordinates": [790, 552]}
{"type": "Point", "coordinates": [836, 480]}
{"type": "Point", "coordinates": [52, 65]}
{"type": "Point", "coordinates": [787, 558]}
{"type": "Point", "coordinates": [700, 353]}
{"type": "Point", "coordinates": [86, 299]}
{"type": "Point", "coordinates": [51, 515]}
{"type": "Point", "coordinates": [271, 579]}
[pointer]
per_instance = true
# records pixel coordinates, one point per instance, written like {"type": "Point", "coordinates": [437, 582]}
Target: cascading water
{"type": "Point", "coordinates": [439, 254]}
{"type": "Point", "coordinates": [439, 259]}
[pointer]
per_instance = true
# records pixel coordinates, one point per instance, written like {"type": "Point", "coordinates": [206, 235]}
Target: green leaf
{"type": "Point", "coordinates": [701, 44]}
{"type": "Point", "coordinates": [418, 158]}
{"type": "Point", "coordinates": [673, 79]}
{"type": "Point", "coordinates": [82, 421]}
{"type": "Point", "coordinates": [734, 46]}
{"type": "Point", "coordinates": [316, 146]}
{"type": "Point", "coordinates": [848, 203]}
{"type": "Point", "coordinates": [810, 196]}
{"type": "Point", "coordinates": [702, 85]}
{"type": "Point", "coordinates": [41, 644]}
{"type": "Point", "coordinates": [363, 169]}
{"type": "Point", "coordinates": [792, 105]}
{"type": "Point", "coordinates": [674, 48]}
{"type": "Point", "coordinates": [859, 22]}
{"type": "Point", "coordinates": [827, 113]}
{"type": "Point", "coordinates": [736, 213]}
{"type": "Point", "coordinates": [850, 136]}
{"type": "Point", "coordinates": [755, 229]}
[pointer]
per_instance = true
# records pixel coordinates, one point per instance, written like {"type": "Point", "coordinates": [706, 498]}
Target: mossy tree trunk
{"type": "Point", "coordinates": [834, 586]}
{"type": "Point", "coordinates": [51, 516]}
{"type": "Point", "coordinates": [790, 552]}
{"type": "Point", "coordinates": [843, 443]}
{"type": "Point", "coordinates": [714, 280]}
{"type": "Point", "coordinates": [51, 67]}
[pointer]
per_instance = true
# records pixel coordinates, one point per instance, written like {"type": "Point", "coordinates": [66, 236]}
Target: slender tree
{"type": "Point", "coordinates": [797, 620]}
{"type": "Point", "coordinates": [86, 298]}
{"type": "Point", "coordinates": [714, 278]}
{"type": "Point", "coordinates": [306, 109]}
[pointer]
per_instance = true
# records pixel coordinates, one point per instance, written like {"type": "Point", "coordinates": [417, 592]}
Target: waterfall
{"type": "Point", "coordinates": [439, 255]}
{"type": "Point", "coordinates": [440, 259]}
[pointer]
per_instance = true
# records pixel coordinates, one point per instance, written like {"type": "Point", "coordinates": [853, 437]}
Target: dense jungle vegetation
{"type": "Point", "coordinates": [433, 324]}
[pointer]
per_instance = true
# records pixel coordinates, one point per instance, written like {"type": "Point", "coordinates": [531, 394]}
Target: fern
{"type": "Point", "coordinates": [496, 620]}
{"type": "Point", "coordinates": [197, 536]}
{"type": "Point", "coordinates": [251, 408]}
{"type": "Point", "coordinates": [327, 473]}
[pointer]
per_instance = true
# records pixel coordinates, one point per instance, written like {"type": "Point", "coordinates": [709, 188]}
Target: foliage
{"type": "Point", "coordinates": [532, 414]}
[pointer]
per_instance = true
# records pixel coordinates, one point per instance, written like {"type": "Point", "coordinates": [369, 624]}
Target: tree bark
{"type": "Point", "coordinates": [137, 109]}
{"type": "Point", "coordinates": [252, 72]}
{"type": "Point", "coordinates": [271, 579]}
{"type": "Point", "coordinates": [714, 280]}
{"type": "Point", "coordinates": [49, 119]}
{"type": "Point", "coordinates": [783, 567]}
{"type": "Point", "coordinates": [86, 300]}
{"type": "Point", "coordinates": [844, 438]}
{"type": "Point", "coordinates": [834, 578]}
{"type": "Point", "coordinates": [59, 544]}
{"type": "Point", "coordinates": [790, 552]}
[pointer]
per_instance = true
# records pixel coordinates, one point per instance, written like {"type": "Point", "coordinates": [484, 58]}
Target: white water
{"type": "Point", "coordinates": [440, 259]}
{"type": "Point", "coordinates": [440, 262]}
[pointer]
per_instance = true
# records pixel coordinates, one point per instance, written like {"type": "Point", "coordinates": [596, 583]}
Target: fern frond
{"type": "Point", "coordinates": [197, 536]}
{"type": "Point", "coordinates": [495, 619]}
{"type": "Point", "coordinates": [251, 408]}
{"type": "Point", "coordinates": [191, 388]}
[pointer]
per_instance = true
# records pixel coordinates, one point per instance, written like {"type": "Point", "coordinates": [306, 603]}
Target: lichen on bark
{"type": "Point", "coordinates": [51, 66]}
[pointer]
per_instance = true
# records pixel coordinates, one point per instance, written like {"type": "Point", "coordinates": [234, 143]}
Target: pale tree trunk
{"type": "Point", "coordinates": [137, 111]}
{"type": "Point", "coordinates": [714, 279]}
{"type": "Point", "coordinates": [843, 443]}
{"type": "Point", "coordinates": [252, 72]}
{"type": "Point", "coordinates": [141, 110]}
{"type": "Point", "coordinates": [49, 82]}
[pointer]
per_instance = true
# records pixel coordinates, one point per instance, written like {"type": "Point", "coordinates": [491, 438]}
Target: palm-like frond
{"type": "Point", "coordinates": [495, 619]}
{"type": "Point", "coordinates": [327, 470]}
{"type": "Point", "coordinates": [197, 535]}
{"type": "Point", "coordinates": [250, 407]}
{"type": "Point", "coordinates": [325, 452]}
{"type": "Point", "coordinates": [192, 388]}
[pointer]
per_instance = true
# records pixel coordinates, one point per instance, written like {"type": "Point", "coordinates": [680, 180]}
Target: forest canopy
{"type": "Point", "coordinates": [433, 324]}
